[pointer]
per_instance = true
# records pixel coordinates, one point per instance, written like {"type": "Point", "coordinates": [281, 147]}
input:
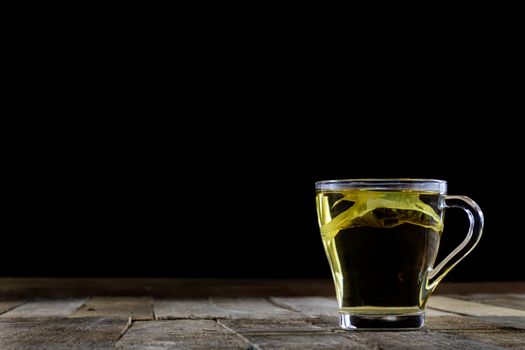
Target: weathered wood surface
{"type": "Point", "coordinates": [139, 308]}
{"type": "Point", "coordinates": [9, 304]}
{"type": "Point", "coordinates": [435, 313]}
{"type": "Point", "coordinates": [60, 333]}
{"type": "Point", "coordinates": [471, 308]}
{"type": "Point", "coordinates": [272, 319]}
{"type": "Point", "coordinates": [492, 332]}
{"type": "Point", "coordinates": [423, 339]}
{"type": "Point", "coordinates": [506, 321]}
{"type": "Point", "coordinates": [197, 308]}
{"type": "Point", "coordinates": [45, 308]}
{"type": "Point", "coordinates": [254, 308]}
{"type": "Point", "coordinates": [180, 334]}
{"type": "Point", "coordinates": [311, 306]}
{"type": "Point", "coordinates": [510, 300]}
{"type": "Point", "coordinates": [217, 308]}
{"type": "Point", "coordinates": [289, 334]}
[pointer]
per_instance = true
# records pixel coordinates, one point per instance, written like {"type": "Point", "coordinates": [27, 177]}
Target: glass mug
{"type": "Point", "coordinates": [381, 237]}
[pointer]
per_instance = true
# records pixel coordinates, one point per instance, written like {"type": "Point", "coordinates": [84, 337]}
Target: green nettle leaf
{"type": "Point", "coordinates": [382, 209]}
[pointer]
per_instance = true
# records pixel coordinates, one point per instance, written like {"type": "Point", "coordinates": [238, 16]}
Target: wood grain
{"type": "Point", "coordinates": [219, 308]}
{"type": "Point", "coordinates": [139, 308]}
{"type": "Point", "coordinates": [254, 308]}
{"type": "Point", "coordinates": [305, 340]}
{"type": "Point", "coordinates": [506, 321]}
{"type": "Point", "coordinates": [45, 308]}
{"type": "Point", "coordinates": [480, 329]}
{"type": "Point", "coordinates": [180, 334]}
{"type": "Point", "coordinates": [60, 333]}
{"type": "Point", "coordinates": [471, 308]}
{"type": "Point", "coordinates": [310, 306]}
{"type": "Point", "coordinates": [513, 301]}
{"type": "Point", "coordinates": [455, 332]}
{"type": "Point", "coordinates": [9, 304]}
{"type": "Point", "coordinates": [421, 339]}
{"type": "Point", "coordinates": [438, 313]}
{"type": "Point", "coordinates": [506, 339]}
{"type": "Point", "coordinates": [196, 308]}
{"type": "Point", "coordinates": [232, 314]}
{"type": "Point", "coordinates": [289, 334]}
{"type": "Point", "coordinates": [257, 326]}
{"type": "Point", "coordinates": [450, 324]}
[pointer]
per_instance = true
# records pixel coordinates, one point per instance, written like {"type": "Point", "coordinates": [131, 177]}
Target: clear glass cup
{"type": "Point", "coordinates": [381, 237]}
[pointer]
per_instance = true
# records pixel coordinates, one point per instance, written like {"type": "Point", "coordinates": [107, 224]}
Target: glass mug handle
{"type": "Point", "coordinates": [475, 215]}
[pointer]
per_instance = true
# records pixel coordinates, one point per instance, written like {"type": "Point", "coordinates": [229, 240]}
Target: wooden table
{"type": "Point", "coordinates": [240, 314]}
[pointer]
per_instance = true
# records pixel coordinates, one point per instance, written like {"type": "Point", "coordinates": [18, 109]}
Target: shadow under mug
{"type": "Point", "coordinates": [381, 237]}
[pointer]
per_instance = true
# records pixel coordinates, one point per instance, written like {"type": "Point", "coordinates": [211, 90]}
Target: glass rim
{"type": "Point", "coordinates": [431, 185]}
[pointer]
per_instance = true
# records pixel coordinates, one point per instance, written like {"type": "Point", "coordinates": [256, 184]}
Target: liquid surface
{"type": "Point", "coordinates": [379, 245]}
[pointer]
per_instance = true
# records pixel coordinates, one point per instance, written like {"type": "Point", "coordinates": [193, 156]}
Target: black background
{"type": "Point", "coordinates": [131, 159]}
{"type": "Point", "coordinates": [236, 204]}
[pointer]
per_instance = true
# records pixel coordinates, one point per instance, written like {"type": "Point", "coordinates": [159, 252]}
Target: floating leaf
{"type": "Point", "coordinates": [382, 209]}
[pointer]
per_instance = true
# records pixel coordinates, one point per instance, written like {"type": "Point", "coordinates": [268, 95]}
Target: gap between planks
{"type": "Point", "coordinates": [8, 305]}
{"type": "Point", "coordinates": [462, 332]}
{"type": "Point", "coordinates": [140, 308]}
{"type": "Point", "coordinates": [186, 334]}
{"type": "Point", "coordinates": [145, 308]}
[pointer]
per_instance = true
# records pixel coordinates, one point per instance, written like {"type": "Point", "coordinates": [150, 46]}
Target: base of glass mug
{"type": "Point", "coordinates": [381, 322]}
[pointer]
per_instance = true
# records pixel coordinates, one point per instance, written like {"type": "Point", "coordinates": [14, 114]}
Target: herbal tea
{"type": "Point", "coordinates": [380, 245]}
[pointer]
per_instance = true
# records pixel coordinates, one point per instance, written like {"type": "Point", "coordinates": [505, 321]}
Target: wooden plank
{"type": "Point", "coordinates": [464, 323]}
{"type": "Point", "coordinates": [196, 308]}
{"type": "Point", "coordinates": [45, 308]}
{"type": "Point", "coordinates": [329, 323]}
{"type": "Point", "coordinates": [463, 334]}
{"type": "Point", "coordinates": [506, 321]}
{"type": "Point", "coordinates": [475, 323]}
{"type": "Point", "coordinates": [444, 322]}
{"type": "Point", "coordinates": [306, 340]}
{"type": "Point", "coordinates": [504, 317]}
{"type": "Point", "coordinates": [254, 308]}
{"type": "Point", "coordinates": [412, 340]}
{"type": "Point", "coordinates": [9, 305]}
{"type": "Point", "coordinates": [480, 329]}
{"type": "Point", "coordinates": [445, 332]}
{"type": "Point", "coordinates": [511, 301]}
{"type": "Point", "coordinates": [139, 308]}
{"type": "Point", "coordinates": [470, 308]}
{"type": "Point", "coordinates": [219, 308]}
{"type": "Point", "coordinates": [180, 334]}
{"type": "Point", "coordinates": [507, 339]}
{"type": "Point", "coordinates": [310, 306]}
{"type": "Point", "coordinates": [438, 313]}
{"type": "Point", "coordinates": [288, 334]}
{"type": "Point", "coordinates": [263, 326]}
{"type": "Point", "coordinates": [60, 333]}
